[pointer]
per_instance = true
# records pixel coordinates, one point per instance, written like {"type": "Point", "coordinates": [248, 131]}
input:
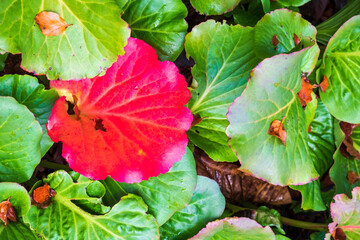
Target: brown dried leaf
{"type": "Point", "coordinates": [196, 120]}
{"type": "Point", "coordinates": [50, 23]}
{"type": "Point", "coordinates": [347, 144]}
{"type": "Point", "coordinates": [296, 39]}
{"type": "Point", "coordinates": [238, 186]}
{"type": "Point", "coordinates": [305, 91]}
{"type": "Point", "coordinates": [42, 196]}
{"type": "Point", "coordinates": [277, 129]}
{"type": "Point", "coordinates": [7, 211]}
{"type": "Point", "coordinates": [324, 84]}
{"type": "Point", "coordinates": [275, 40]}
{"type": "Point", "coordinates": [352, 177]}
{"type": "Point", "coordinates": [338, 234]}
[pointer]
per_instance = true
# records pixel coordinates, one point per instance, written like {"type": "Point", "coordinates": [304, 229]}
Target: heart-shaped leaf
{"type": "Point", "coordinates": [92, 41]}
{"type": "Point", "coordinates": [214, 7]}
{"type": "Point", "coordinates": [235, 228]}
{"type": "Point", "coordinates": [221, 80]}
{"type": "Point", "coordinates": [26, 90]}
{"type": "Point", "coordinates": [126, 220]}
{"type": "Point", "coordinates": [164, 31]}
{"type": "Point", "coordinates": [345, 213]}
{"type": "Point", "coordinates": [271, 94]}
{"type": "Point", "coordinates": [341, 67]}
{"type": "Point", "coordinates": [130, 123]}
{"type": "Point", "coordinates": [207, 204]}
{"type": "Point", "coordinates": [164, 194]}
{"type": "Point", "coordinates": [19, 142]}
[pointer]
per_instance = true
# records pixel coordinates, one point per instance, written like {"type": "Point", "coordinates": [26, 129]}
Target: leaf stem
{"type": "Point", "coordinates": [55, 166]}
{"type": "Point", "coordinates": [287, 221]}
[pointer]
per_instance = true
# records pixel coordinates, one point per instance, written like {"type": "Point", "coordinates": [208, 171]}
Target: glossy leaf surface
{"type": "Point", "coordinates": [164, 194]}
{"type": "Point", "coordinates": [19, 142]}
{"type": "Point", "coordinates": [341, 66]}
{"type": "Point", "coordinates": [126, 220]}
{"type": "Point", "coordinates": [131, 122]}
{"type": "Point", "coordinates": [206, 204]}
{"type": "Point", "coordinates": [223, 64]}
{"type": "Point", "coordinates": [214, 7]}
{"type": "Point", "coordinates": [27, 91]}
{"type": "Point", "coordinates": [235, 228]}
{"type": "Point", "coordinates": [345, 213]}
{"type": "Point", "coordinates": [160, 23]}
{"type": "Point", "coordinates": [92, 42]}
{"type": "Point", "coordinates": [271, 94]}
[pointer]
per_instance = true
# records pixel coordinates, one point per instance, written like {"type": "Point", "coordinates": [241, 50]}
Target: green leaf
{"type": "Point", "coordinates": [224, 59]}
{"type": "Point", "coordinates": [18, 231]}
{"type": "Point", "coordinates": [160, 23]}
{"type": "Point", "coordinates": [355, 136]}
{"type": "Point", "coordinates": [341, 66]}
{"type": "Point", "coordinates": [249, 16]}
{"type": "Point", "coordinates": [207, 204]}
{"type": "Point", "coordinates": [20, 136]}
{"type": "Point", "coordinates": [18, 195]}
{"type": "Point", "coordinates": [90, 45]}
{"type": "Point", "coordinates": [311, 196]}
{"type": "Point", "coordinates": [274, 34]}
{"type": "Point", "coordinates": [345, 213]}
{"type": "Point", "coordinates": [27, 91]}
{"type": "Point", "coordinates": [235, 229]}
{"type": "Point", "coordinates": [214, 7]}
{"type": "Point", "coordinates": [271, 94]}
{"type": "Point", "coordinates": [317, 236]}
{"type": "Point", "coordinates": [266, 5]}
{"type": "Point", "coordinates": [293, 3]}
{"type": "Point", "coordinates": [2, 60]}
{"type": "Point", "coordinates": [126, 220]}
{"type": "Point", "coordinates": [164, 194]}
{"type": "Point", "coordinates": [269, 217]}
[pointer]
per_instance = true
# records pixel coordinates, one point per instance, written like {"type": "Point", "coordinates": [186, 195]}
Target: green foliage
{"type": "Point", "coordinates": [214, 7]}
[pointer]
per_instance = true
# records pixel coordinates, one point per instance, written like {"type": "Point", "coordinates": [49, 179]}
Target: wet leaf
{"type": "Point", "coordinates": [140, 102]}
{"type": "Point", "coordinates": [238, 186]}
{"type": "Point", "coordinates": [305, 92]}
{"type": "Point", "coordinates": [50, 23]}
{"type": "Point", "coordinates": [277, 129]}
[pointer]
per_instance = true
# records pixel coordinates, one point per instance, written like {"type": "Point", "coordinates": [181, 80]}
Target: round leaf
{"type": "Point", "coordinates": [221, 80]}
{"type": "Point", "coordinates": [341, 66]}
{"type": "Point", "coordinates": [271, 94]}
{"type": "Point", "coordinates": [235, 228]}
{"type": "Point", "coordinates": [214, 7]}
{"type": "Point", "coordinates": [126, 220]}
{"type": "Point", "coordinates": [96, 35]}
{"type": "Point", "coordinates": [20, 136]}
{"type": "Point", "coordinates": [131, 122]}
{"type": "Point", "coordinates": [18, 195]}
{"type": "Point", "coordinates": [207, 204]}
{"type": "Point", "coordinates": [164, 194]}
{"type": "Point", "coordinates": [26, 90]}
{"type": "Point", "coordinates": [160, 23]}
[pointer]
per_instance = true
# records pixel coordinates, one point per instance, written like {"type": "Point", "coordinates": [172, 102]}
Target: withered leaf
{"type": "Point", "coordinates": [277, 129]}
{"type": "Point", "coordinates": [50, 23]}
{"type": "Point", "coordinates": [305, 91]}
{"type": "Point", "coordinates": [7, 211]}
{"type": "Point", "coordinates": [352, 177]}
{"type": "Point", "coordinates": [296, 39]}
{"type": "Point", "coordinates": [42, 196]}
{"type": "Point", "coordinates": [347, 144]}
{"type": "Point", "coordinates": [324, 84]}
{"type": "Point", "coordinates": [238, 186]}
{"type": "Point", "coordinates": [338, 234]}
{"type": "Point", "coordinates": [275, 40]}
{"type": "Point", "coordinates": [196, 119]}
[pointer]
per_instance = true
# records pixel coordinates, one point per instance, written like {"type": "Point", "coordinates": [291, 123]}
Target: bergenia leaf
{"type": "Point", "coordinates": [130, 123]}
{"type": "Point", "coordinates": [355, 136]}
{"type": "Point", "coordinates": [18, 195]}
{"type": "Point", "coordinates": [221, 80]}
{"type": "Point", "coordinates": [164, 194]}
{"type": "Point", "coordinates": [94, 37]}
{"type": "Point", "coordinates": [207, 204]}
{"type": "Point", "coordinates": [345, 213]}
{"type": "Point", "coordinates": [19, 142]}
{"type": "Point", "coordinates": [235, 228]}
{"type": "Point", "coordinates": [341, 68]}
{"type": "Point", "coordinates": [126, 220]}
{"type": "Point", "coordinates": [164, 31]}
{"type": "Point", "coordinates": [2, 60]}
{"type": "Point", "coordinates": [271, 94]}
{"type": "Point", "coordinates": [292, 3]}
{"type": "Point", "coordinates": [269, 217]}
{"type": "Point", "coordinates": [214, 7]}
{"type": "Point", "coordinates": [26, 90]}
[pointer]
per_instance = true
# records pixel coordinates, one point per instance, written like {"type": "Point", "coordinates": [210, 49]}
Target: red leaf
{"type": "Point", "coordinates": [131, 122]}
